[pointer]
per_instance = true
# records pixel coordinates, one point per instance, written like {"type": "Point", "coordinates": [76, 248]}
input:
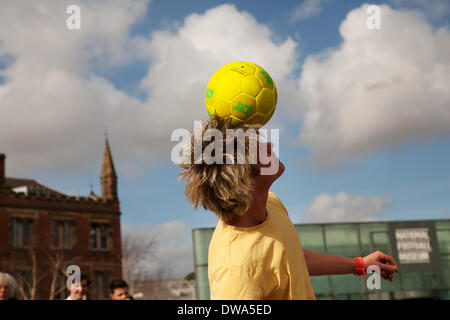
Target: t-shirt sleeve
{"type": "Point", "coordinates": [236, 283]}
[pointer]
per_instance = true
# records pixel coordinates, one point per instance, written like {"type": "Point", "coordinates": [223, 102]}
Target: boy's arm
{"type": "Point", "coordinates": [322, 264]}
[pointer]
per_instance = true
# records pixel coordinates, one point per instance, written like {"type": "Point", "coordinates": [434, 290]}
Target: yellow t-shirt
{"type": "Point", "coordinates": [260, 262]}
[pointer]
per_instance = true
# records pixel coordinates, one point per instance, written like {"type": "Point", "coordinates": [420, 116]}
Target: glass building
{"type": "Point", "coordinates": [420, 248]}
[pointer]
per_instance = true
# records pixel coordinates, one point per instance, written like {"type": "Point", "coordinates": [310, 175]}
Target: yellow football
{"type": "Point", "coordinates": [242, 91]}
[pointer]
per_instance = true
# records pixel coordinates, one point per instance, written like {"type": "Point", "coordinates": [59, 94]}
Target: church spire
{"type": "Point", "coordinates": [108, 176]}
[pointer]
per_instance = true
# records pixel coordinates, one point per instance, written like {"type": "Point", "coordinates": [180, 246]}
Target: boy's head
{"type": "Point", "coordinates": [119, 290]}
{"type": "Point", "coordinates": [79, 290]}
{"type": "Point", "coordinates": [226, 187]}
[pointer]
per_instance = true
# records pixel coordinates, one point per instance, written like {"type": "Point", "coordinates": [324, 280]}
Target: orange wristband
{"type": "Point", "coordinates": [360, 268]}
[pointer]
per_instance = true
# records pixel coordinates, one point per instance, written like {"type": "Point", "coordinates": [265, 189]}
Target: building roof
{"type": "Point", "coordinates": [29, 186]}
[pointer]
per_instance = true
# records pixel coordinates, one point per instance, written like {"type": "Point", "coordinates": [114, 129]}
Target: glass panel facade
{"type": "Point", "coordinates": [311, 237]}
{"type": "Point", "coordinates": [380, 241]}
{"type": "Point", "coordinates": [342, 240]}
{"type": "Point", "coordinates": [366, 229]}
{"type": "Point", "coordinates": [321, 285]}
{"type": "Point", "coordinates": [417, 281]}
{"type": "Point", "coordinates": [444, 276]}
{"type": "Point", "coordinates": [347, 283]}
{"type": "Point", "coordinates": [202, 282]}
{"type": "Point", "coordinates": [443, 237]}
{"type": "Point", "coordinates": [201, 239]}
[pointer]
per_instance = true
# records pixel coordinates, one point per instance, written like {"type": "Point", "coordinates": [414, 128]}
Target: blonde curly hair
{"type": "Point", "coordinates": [224, 188]}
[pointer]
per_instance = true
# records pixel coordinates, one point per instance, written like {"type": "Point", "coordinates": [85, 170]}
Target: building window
{"type": "Point", "coordinates": [99, 236]}
{"type": "Point", "coordinates": [101, 283]}
{"type": "Point", "coordinates": [62, 234]}
{"type": "Point", "coordinates": [21, 229]}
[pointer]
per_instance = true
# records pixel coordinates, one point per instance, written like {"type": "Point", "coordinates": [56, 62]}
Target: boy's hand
{"type": "Point", "coordinates": [385, 262]}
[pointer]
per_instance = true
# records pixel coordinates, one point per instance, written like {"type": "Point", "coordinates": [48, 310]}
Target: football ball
{"type": "Point", "coordinates": [242, 91]}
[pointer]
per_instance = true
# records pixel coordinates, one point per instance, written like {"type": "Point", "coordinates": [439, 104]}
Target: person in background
{"type": "Point", "coordinates": [7, 287]}
{"type": "Point", "coordinates": [119, 290]}
{"type": "Point", "coordinates": [81, 291]}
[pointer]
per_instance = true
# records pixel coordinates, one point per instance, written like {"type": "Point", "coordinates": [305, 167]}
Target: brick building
{"type": "Point", "coordinates": [43, 230]}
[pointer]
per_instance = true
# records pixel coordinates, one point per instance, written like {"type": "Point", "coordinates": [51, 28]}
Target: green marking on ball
{"type": "Point", "coordinates": [209, 93]}
{"type": "Point", "coordinates": [243, 108]}
{"type": "Point", "coordinates": [266, 76]}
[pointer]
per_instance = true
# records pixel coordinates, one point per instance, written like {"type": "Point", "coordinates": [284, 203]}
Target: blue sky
{"type": "Point", "coordinates": [115, 73]}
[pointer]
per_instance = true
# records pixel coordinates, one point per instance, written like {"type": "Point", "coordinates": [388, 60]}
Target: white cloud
{"type": "Point", "coordinates": [306, 10]}
{"type": "Point", "coordinates": [344, 208]}
{"type": "Point", "coordinates": [54, 109]}
{"type": "Point", "coordinates": [378, 89]}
